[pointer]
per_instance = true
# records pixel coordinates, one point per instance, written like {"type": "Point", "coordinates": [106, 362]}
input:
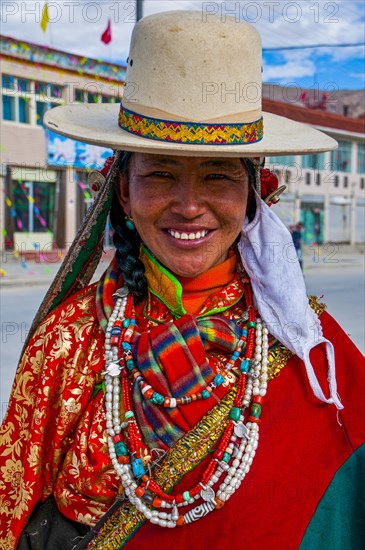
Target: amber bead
{"type": "Point", "coordinates": [180, 521]}
{"type": "Point", "coordinates": [139, 492]}
{"type": "Point", "coordinates": [148, 393]}
{"type": "Point", "coordinates": [218, 503]}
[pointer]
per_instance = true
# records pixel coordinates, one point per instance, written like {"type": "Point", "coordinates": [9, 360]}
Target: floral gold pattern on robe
{"type": "Point", "coordinates": [51, 398]}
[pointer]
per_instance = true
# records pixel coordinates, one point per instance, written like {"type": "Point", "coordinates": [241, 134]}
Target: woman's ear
{"type": "Point", "coordinates": [251, 204]}
{"type": "Point", "coordinates": [122, 191]}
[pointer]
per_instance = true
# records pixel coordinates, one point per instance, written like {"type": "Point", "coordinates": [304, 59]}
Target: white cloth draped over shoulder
{"type": "Point", "coordinates": [269, 258]}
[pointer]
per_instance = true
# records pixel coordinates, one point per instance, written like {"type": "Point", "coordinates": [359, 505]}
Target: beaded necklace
{"type": "Point", "coordinates": [236, 448]}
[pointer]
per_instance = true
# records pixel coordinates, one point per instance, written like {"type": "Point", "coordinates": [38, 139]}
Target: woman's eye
{"type": "Point", "coordinates": [160, 174]}
{"type": "Point", "coordinates": [217, 176]}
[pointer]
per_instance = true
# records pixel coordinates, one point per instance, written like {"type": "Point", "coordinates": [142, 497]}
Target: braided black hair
{"type": "Point", "coordinates": [127, 243]}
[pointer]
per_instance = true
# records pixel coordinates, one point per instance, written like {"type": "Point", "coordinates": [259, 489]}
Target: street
{"type": "Point", "coordinates": [342, 287]}
{"type": "Point", "coordinates": [18, 306]}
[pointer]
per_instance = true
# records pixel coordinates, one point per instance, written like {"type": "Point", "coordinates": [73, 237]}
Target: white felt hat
{"type": "Point", "coordinates": [193, 87]}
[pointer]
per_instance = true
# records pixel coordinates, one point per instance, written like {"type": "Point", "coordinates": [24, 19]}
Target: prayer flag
{"type": "Point", "coordinates": [106, 37]}
{"type": "Point", "coordinates": [45, 18]}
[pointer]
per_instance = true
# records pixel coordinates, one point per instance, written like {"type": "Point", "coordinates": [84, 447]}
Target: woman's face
{"type": "Point", "coordinates": [188, 211]}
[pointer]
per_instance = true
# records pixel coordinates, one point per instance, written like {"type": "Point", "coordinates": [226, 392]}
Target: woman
{"type": "Point", "coordinates": [137, 404]}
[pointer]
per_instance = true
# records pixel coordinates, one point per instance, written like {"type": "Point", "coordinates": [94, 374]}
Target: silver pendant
{"type": "Point", "coordinates": [243, 318]}
{"type": "Point", "coordinates": [207, 494]}
{"type": "Point", "coordinates": [240, 430]}
{"type": "Point", "coordinates": [113, 369]}
{"type": "Point", "coordinates": [121, 292]}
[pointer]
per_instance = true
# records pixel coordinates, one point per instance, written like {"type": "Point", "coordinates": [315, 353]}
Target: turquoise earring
{"type": "Point", "coordinates": [129, 223]}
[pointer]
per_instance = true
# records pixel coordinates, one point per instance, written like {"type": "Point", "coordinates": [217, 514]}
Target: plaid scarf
{"type": "Point", "coordinates": [172, 359]}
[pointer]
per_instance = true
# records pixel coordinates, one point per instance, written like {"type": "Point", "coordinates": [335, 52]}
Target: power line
{"type": "Point", "coordinates": [314, 46]}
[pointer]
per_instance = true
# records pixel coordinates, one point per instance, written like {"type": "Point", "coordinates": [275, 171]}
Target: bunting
{"type": "Point", "coordinates": [106, 37]}
{"type": "Point", "coordinates": [45, 18]}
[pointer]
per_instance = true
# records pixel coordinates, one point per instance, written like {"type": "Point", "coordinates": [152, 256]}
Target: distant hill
{"type": "Point", "coordinates": [349, 103]}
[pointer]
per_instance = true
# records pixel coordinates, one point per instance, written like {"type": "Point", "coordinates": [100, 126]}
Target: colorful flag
{"type": "Point", "coordinates": [45, 18]}
{"type": "Point", "coordinates": [106, 37]}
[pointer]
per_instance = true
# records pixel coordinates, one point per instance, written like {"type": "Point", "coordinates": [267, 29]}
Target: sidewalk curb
{"type": "Point", "coordinates": [24, 282]}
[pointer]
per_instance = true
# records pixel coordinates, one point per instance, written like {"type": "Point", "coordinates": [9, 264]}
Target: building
{"type": "Point", "coordinates": [326, 191]}
{"type": "Point", "coordinates": [43, 177]}
{"type": "Point", "coordinates": [349, 103]}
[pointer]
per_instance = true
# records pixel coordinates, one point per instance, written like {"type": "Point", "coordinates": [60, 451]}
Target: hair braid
{"type": "Point", "coordinates": [127, 244]}
{"type": "Point", "coordinates": [250, 166]}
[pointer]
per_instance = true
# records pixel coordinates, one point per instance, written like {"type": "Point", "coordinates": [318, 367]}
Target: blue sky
{"type": "Point", "coordinates": [76, 26]}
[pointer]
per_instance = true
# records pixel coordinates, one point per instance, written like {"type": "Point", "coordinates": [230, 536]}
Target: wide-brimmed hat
{"type": "Point", "coordinates": [193, 87]}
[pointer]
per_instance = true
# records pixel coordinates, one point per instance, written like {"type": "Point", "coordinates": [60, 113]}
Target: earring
{"type": "Point", "coordinates": [129, 223]}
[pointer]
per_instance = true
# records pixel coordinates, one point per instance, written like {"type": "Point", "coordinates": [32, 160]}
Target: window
{"type": "Point", "coordinates": [362, 183]}
{"type": "Point", "coordinates": [16, 94]}
{"type": "Point", "coordinates": [41, 88]}
{"type": "Point", "coordinates": [346, 181]}
{"type": "Point", "coordinates": [313, 162]}
{"type": "Point", "coordinates": [34, 204]}
{"type": "Point", "coordinates": [361, 158]}
{"type": "Point", "coordinates": [8, 82]}
{"type": "Point", "coordinates": [23, 85]}
{"type": "Point", "coordinates": [23, 110]}
{"type": "Point", "coordinates": [308, 178]}
{"type": "Point", "coordinates": [8, 108]}
{"type": "Point", "coordinates": [26, 101]}
{"type": "Point", "coordinates": [42, 107]}
{"type": "Point", "coordinates": [79, 96]}
{"type": "Point", "coordinates": [85, 96]}
{"type": "Point", "coordinates": [110, 99]}
{"type": "Point", "coordinates": [341, 158]}
{"type": "Point", "coordinates": [46, 97]}
{"type": "Point", "coordinates": [336, 181]}
{"type": "Point", "coordinates": [286, 160]}
{"type": "Point", "coordinates": [318, 178]}
{"type": "Point", "coordinates": [287, 176]}
{"type": "Point", "coordinates": [55, 91]}
{"type": "Point", "coordinates": [92, 98]}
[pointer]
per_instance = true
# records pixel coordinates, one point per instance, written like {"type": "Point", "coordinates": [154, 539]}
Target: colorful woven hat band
{"type": "Point", "coordinates": [190, 132]}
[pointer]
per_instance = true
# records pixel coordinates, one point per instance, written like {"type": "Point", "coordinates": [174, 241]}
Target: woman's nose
{"type": "Point", "coordinates": [188, 200]}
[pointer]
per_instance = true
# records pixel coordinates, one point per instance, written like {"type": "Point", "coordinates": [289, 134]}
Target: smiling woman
{"type": "Point", "coordinates": [138, 401]}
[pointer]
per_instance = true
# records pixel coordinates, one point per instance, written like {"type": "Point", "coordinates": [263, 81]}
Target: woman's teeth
{"type": "Point", "coordinates": [188, 236]}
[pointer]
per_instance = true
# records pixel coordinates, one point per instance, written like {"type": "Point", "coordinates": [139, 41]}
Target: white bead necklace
{"type": "Point", "coordinates": [242, 444]}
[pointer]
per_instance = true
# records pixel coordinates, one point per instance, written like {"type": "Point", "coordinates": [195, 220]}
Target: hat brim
{"type": "Point", "coordinates": [97, 124]}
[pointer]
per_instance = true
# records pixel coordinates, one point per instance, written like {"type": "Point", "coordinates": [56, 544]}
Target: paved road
{"type": "Point", "coordinates": [17, 309]}
{"type": "Point", "coordinates": [342, 287]}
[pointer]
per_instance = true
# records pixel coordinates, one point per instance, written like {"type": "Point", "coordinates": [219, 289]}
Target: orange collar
{"type": "Point", "coordinates": [182, 294]}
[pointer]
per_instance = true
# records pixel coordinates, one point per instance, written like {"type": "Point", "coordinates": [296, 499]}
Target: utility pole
{"type": "Point", "coordinates": [139, 14]}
